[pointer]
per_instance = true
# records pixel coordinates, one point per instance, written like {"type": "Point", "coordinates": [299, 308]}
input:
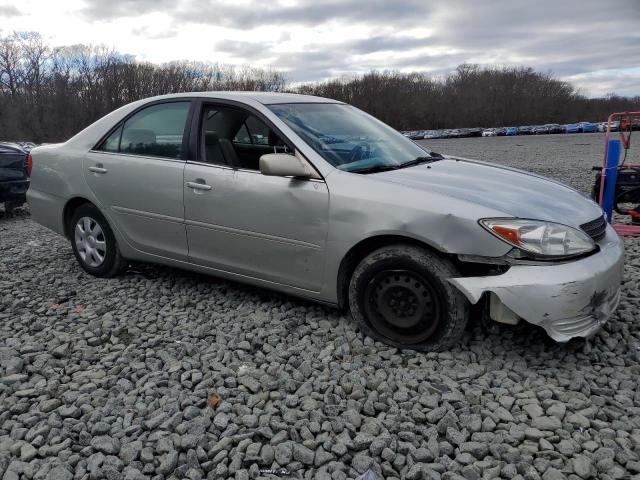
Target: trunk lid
{"type": "Point", "coordinates": [13, 164]}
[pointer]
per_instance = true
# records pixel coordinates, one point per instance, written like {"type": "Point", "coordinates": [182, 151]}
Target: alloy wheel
{"type": "Point", "coordinates": [90, 242]}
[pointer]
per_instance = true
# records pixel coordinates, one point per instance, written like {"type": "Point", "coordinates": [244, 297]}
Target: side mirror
{"type": "Point", "coordinates": [286, 165]}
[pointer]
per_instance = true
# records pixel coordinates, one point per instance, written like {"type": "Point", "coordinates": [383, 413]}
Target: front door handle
{"type": "Point", "coordinates": [198, 186]}
{"type": "Point", "coordinates": [98, 169]}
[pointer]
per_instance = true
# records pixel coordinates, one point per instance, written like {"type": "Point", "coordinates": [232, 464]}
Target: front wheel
{"type": "Point", "coordinates": [94, 244]}
{"type": "Point", "coordinates": [400, 295]}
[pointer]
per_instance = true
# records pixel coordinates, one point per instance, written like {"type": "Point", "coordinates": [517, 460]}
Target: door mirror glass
{"type": "Point", "coordinates": [286, 165]}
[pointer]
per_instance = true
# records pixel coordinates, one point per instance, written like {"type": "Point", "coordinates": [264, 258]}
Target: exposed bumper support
{"type": "Point", "coordinates": [568, 300]}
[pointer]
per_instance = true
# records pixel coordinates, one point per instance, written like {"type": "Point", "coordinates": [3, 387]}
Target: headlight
{"type": "Point", "coordinates": [544, 239]}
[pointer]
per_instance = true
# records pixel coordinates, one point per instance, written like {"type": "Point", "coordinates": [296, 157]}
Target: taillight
{"type": "Point", "coordinates": [29, 164]}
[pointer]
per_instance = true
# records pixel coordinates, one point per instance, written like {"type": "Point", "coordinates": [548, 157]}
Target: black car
{"type": "Point", "coordinates": [474, 132]}
{"type": "Point", "coordinates": [14, 180]}
{"type": "Point", "coordinates": [525, 130]}
{"type": "Point", "coordinates": [555, 128]}
{"type": "Point", "coordinates": [500, 131]}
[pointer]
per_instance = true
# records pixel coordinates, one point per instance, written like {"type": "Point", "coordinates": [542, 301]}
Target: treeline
{"type": "Point", "coordinates": [48, 94]}
{"type": "Point", "coordinates": [472, 96]}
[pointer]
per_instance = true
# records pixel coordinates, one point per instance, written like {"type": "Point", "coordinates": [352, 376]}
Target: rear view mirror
{"type": "Point", "coordinates": [286, 165]}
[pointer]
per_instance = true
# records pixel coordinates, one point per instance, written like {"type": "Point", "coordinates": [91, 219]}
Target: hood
{"type": "Point", "coordinates": [514, 192]}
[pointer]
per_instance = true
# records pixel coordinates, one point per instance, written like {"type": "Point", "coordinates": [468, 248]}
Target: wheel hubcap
{"type": "Point", "coordinates": [402, 305]}
{"type": "Point", "coordinates": [90, 242]}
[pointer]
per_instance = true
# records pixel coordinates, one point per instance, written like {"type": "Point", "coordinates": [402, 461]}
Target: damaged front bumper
{"type": "Point", "coordinates": [568, 300]}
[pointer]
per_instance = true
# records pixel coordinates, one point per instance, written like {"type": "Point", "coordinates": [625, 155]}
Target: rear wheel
{"type": "Point", "coordinates": [11, 205]}
{"type": "Point", "coordinates": [94, 244]}
{"type": "Point", "coordinates": [400, 295]}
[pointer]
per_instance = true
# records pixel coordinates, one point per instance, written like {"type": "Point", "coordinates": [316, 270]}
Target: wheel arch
{"type": "Point", "coordinates": [363, 248]}
{"type": "Point", "coordinates": [70, 207]}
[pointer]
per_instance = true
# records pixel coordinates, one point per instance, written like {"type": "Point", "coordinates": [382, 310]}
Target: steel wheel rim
{"type": "Point", "coordinates": [402, 305]}
{"type": "Point", "coordinates": [91, 243]}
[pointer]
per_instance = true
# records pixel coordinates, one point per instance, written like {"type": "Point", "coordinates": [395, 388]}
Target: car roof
{"type": "Point", "coordinates": [266, 98]}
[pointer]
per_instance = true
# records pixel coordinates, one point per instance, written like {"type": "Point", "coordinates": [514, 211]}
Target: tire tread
{"type": "Point", "coordinates": [456, 306]}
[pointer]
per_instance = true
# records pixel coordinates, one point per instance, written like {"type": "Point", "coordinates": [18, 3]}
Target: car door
{"type": "Point", "coordinates": [240, 221]}
{"type": "Point", "coordinates": [136, 174]}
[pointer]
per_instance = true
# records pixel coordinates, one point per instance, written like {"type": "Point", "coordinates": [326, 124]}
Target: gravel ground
{"type": "Point", "coordinates": [166, 374]}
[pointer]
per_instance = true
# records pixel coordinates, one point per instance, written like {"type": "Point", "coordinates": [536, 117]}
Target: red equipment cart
{"type": "Point", "coordinates": [619, 182]}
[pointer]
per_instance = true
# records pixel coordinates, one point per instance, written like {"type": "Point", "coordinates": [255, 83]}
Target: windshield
{"type": "Point", "coordinates": [348, 138]}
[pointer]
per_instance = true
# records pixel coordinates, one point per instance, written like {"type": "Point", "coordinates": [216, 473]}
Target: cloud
{"type": "Point", "coordinates": [591, 43]}
{"type": "Point", "coordinates": [8, 11]}
{"type": "Point", "coordinates": [623, 82]}
{"type": "Point", "coordinates": [239, 14]}
{"type": "Point", "coordinates": [382, 43]}
{"type": "Point", "coordinates": [154, 33]}
{"type": "Point", "coordinates": [100, 10]}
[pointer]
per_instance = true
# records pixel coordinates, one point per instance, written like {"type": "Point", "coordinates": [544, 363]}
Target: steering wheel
{"type": "Point", "coordinates": [358, 152]}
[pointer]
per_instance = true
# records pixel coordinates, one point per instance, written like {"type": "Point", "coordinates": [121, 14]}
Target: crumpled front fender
{"type": "Point", "coordinates": [572, 299]}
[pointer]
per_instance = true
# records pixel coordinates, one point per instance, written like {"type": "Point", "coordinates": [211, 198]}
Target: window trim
{"type": "Point", "coordinates": [120, 127]}
{"type": "Point", "coordinates": [185, 133]}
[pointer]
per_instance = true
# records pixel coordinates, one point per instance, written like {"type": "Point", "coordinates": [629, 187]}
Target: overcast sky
{"type": "Point", "coordinates": [593, 43]}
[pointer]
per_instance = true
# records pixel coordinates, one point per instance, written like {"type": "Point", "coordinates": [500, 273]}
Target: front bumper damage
{"type": "Point", "coordinates": [572, 299]}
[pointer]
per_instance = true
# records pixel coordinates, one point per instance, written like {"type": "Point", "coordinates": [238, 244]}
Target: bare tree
{"type": "Point", "coordinates": [48, 94]}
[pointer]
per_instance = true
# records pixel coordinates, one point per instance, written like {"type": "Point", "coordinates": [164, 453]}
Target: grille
{"type": "Point", "coordinates": [596, 229]}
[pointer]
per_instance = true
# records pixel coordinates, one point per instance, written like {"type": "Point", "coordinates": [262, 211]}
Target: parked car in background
{"type": "Point", "coordinates": [540, 130]}
{"type": "Point", "coordinates": [511, 131]}
{"type": "Point", "coordinates": [615, 126]}
{"type": "Point", "coordinates": [573, 128]}
{"type": "Point", "coordinates": [26, 146]}
{"type": "Point", "coordinates": [500, 131]}
{"type": "Point", "coordinates": [588, 127]}
{"type": "Point", "coordinates": [525, 130]}
{"type": "Point", "coordinates": [431, 134]}
{"type": "Point", "coordinates": [474, 132]}
{"type": "Point", "coordinates": [14, 181]}
{"type": "Point", "coordinates": [555, 128]}
{"type": "Point", "coordinates": [489, 132]}
{"type": "Point", "coordinates": [337, 208]}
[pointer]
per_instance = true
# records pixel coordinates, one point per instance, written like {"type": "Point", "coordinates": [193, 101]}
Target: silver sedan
{"type": "Point", "coordinates": [317, 199]}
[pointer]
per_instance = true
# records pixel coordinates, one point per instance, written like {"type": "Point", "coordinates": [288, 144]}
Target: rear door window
{"type": "Point", "coordinates": [155, 131]}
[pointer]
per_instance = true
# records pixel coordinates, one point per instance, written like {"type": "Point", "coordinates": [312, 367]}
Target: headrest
{"type": "Point", "coordinates": [210, 138]}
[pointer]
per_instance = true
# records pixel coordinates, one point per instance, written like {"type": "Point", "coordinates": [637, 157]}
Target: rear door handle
{"type": "Point", "coordinates": [97, 169]}
{"type": "Point", "coordinates": [198, 186]}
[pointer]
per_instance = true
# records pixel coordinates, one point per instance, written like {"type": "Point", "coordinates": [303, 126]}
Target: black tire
{"type": "Point", "coordinates": [400, 295]}
{"type": "Point", "coordinates": [11, 205]}
{"type": "Point", "coordinates": [113, 263]}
